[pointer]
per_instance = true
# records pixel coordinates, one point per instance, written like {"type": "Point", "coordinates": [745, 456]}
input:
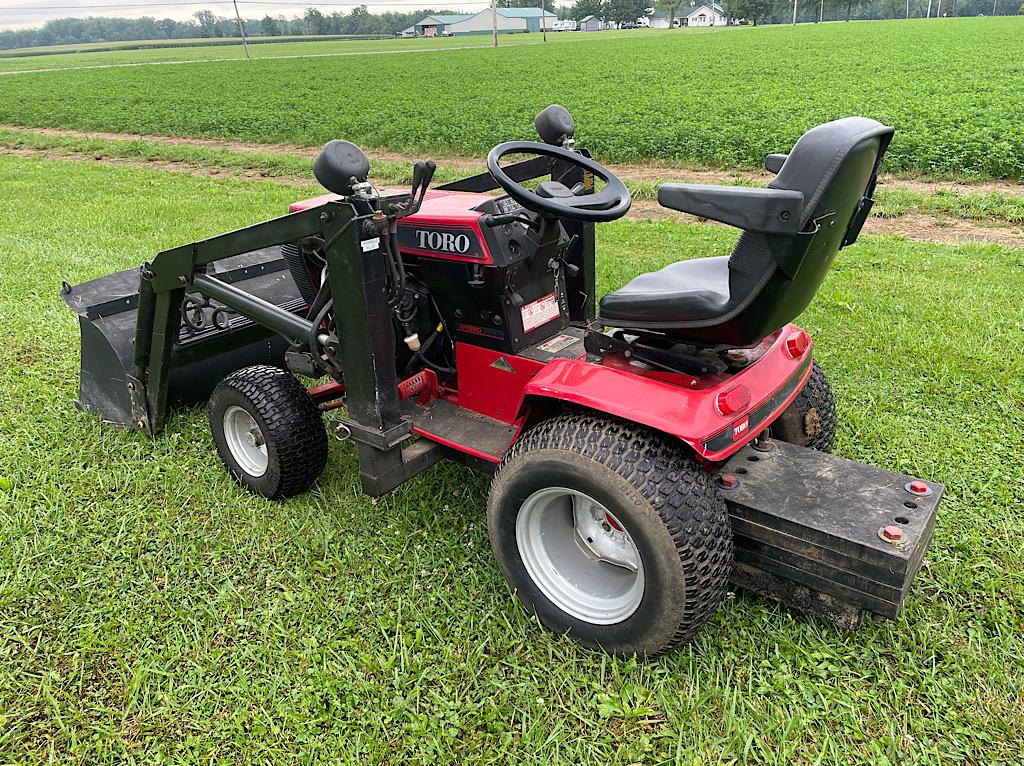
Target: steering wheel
{"type": "Point", "coordinates": [556, 199]}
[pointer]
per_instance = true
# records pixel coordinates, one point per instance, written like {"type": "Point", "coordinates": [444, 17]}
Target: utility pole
{"type": "Point", "coordinates": [821, 10]}
{"type": "Point", "coordinates": [908, 9]}
{"type": "Point", "coordinates": [494, 21]}
{"type": "Point", "coordinates": [794, 11]}
{"type": "Point", "coordinates": [544, 20]}
{"type": "Point", "coordinates": [241, 28]}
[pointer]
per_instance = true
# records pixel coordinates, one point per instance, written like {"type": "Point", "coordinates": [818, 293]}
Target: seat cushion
{"type": "Point", "coordinates": [681, 292]}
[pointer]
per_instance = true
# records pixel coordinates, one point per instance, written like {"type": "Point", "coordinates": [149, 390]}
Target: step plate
{"type": "Point", "coordinates": [813, 520]}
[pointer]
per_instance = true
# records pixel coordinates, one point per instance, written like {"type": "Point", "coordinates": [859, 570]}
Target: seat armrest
{"type": "Point", "coordinates": [768, 211]}
{"type": "Point", "coordinates": [773, 162]}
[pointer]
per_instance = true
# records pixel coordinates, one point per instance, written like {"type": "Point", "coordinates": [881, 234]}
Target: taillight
{"type": "Point", "coordinates": [797, 344]}
{"type": "Point", "coordinates": [732, 401]}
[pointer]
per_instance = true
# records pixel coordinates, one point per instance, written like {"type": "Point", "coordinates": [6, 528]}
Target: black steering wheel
{"type": "Point", "coordinates": [555, 199]}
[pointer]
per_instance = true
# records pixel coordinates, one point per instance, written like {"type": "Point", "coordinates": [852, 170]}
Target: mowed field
{"type": "Point", "coordinates": [261, 50]}
{"type": "Point", "coordinates": [954, 89]}
{"type": "Point", "coordinates": [153, 612]}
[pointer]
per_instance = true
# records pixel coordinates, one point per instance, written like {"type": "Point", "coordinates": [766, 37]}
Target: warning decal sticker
{"type": "Point", "coordinates": [541, 311]}
{"type": "Point", "coordinates": [557, 343]}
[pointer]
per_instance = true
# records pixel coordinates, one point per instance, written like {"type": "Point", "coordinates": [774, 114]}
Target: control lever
{"type": "Point", "coordinates": [422, 174]}
{"type": "Point", "coordinates": [503, 218]}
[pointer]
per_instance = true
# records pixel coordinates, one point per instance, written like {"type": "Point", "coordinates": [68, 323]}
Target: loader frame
{"type": "Point", "coordinates": [362, 318]}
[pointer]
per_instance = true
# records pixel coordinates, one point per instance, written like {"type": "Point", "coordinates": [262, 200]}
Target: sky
{"type": "Point", "coordinates": [17, 14]}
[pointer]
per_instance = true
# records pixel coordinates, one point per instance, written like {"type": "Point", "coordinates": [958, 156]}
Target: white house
{"type": "Point", "coordinates": [693, 15]}
{"type": "Point", "coordinates": [708, 15]}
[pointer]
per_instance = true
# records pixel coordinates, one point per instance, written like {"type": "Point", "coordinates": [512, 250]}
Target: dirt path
{"type": "Point", "coordinates": [914, 226]}
{"type": "Point", "coordinates": [633, 172]}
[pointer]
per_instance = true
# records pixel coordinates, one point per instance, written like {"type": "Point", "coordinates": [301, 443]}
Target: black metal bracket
{"type": "Point", "coordinates": [598, 343]}
{"type": "Point", "coordinates": [372, 437]}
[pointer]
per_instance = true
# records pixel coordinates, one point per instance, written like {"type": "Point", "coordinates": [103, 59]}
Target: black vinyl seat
{"type": "Point", "coordinates": [792, 231]}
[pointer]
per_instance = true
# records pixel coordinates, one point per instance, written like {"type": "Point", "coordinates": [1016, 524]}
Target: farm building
{"type": "Point", "coordinates": [593, 24]}
{"type": "Point", "coordinates": [509, 20]}
{"type": "Point", "coordinates": [693, 15]}
{"type": "Point", "coordinates": [433, 26]}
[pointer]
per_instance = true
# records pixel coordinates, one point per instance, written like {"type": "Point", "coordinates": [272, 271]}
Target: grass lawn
{"type": "Point", "coordinates": [151, 611]}
{"type": "Point", "coordinates": [260, 48]}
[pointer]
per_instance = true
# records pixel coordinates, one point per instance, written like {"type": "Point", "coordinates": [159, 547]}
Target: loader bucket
{"type": "Point", "coordinates": [208, 343]}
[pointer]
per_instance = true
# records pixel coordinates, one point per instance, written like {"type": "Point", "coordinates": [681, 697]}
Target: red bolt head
{"type": "Point", "coordinates": [918, 487]}
{"type": "Point", "coordinates": [891, 533]}
{"type": "Point", "coordinates": [728, 481]}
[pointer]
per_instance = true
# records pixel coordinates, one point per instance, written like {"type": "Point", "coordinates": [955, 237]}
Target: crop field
{"type": "Point", "coordinates": [184, 42]}
{"type": "Point", "coordinates": [272, 50]}
{"type": "Point", "coordinates": [152, 611]}
{"type": "Point", "coordinates": [952, 88]}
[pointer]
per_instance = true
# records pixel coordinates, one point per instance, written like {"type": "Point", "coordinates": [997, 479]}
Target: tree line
{"type": "Point", "coordinates": [206, 24]}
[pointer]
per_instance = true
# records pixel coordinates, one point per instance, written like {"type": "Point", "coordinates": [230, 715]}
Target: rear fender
{"type": "Point", "coordinates": [689, 415]}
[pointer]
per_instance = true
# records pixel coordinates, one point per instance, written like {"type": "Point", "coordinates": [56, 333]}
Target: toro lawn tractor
{"type": "Point", "coordinates": [644, 451]}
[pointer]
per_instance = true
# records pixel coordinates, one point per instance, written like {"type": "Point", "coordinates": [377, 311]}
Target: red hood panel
{"type": "Point", "coordinates": [446, 226]}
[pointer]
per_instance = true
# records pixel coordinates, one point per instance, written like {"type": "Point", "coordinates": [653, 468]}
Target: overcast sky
{"type": "Point", "coordinates": [15, 14]}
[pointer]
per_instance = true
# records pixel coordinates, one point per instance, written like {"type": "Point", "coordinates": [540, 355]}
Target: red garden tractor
{"type": "Point", "coordinates": [644, 450]}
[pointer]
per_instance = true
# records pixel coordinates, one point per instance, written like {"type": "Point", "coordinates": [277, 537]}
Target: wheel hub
{"type": "Point", "coordinates": [245, 441]}
{"type": "Point", "coordinates": [580, 555]}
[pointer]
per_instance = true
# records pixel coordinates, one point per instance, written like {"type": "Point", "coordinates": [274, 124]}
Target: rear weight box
{"type": "Point", "coordinates": [823, 534]}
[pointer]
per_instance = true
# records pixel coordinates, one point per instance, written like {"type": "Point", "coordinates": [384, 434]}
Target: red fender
{"type": "Point", "coordinates": [691, 415]}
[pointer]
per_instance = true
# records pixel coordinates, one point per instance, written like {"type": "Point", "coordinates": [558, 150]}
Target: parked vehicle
{"type": "Point", "coordinates": [645, 449]}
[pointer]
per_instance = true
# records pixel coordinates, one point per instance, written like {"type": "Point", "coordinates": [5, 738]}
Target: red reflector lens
{"type": "Point", "coordinates": [732, 401]}
{"type": "Point", "coordinates": [796, 344]}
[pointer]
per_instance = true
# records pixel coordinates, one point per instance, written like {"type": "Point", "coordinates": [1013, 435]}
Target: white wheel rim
{"type": "Point", "coordinates": [580, 556]}
{"type": "Point", "coordinates": [245, 441]}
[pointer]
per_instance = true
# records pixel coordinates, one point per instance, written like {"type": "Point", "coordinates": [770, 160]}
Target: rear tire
{"type": "Point", "coordinates": [810, 421]}
{"type": "Point", "coordinates": [575, 476]}
{"type": "Point", "coordinates": [268, 431]}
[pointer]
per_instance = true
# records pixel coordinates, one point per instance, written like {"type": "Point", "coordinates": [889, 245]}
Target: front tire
{"type": "Point", "coordinates": [268, 431]}
{"type": "Point", "coordinates": [810, 421]}
{"type": "Point", "coordinates": [610, 533]}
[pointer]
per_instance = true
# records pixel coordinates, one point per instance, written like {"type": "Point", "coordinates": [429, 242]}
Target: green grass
{"type": "Point", "coordinates": [267, 49]}
{"type": "Point", "coordinates": [185, 42]}
{"type": "Point", "coordinates": [151, 611]}
{"type": "Point", "coordinates": [722, 99]}
{"type": "Point", "coordinates": [992, 207]}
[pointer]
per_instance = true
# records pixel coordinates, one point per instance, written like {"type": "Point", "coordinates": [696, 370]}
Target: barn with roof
{"type": "Point", "coordinates": [508, 20]}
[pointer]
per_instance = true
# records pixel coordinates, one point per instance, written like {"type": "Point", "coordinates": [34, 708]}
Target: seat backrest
{"type": "Point", "coordinates": [775, 276]}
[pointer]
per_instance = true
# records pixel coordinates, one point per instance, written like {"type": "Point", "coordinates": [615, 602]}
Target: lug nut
{"type": "Point", "coordinates": [891, 533]}
{"type": "Point", "coordinates": [728, 481]}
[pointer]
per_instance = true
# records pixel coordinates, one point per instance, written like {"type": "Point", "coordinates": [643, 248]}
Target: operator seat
{"type": "Point", "coordinates": [815, 205]}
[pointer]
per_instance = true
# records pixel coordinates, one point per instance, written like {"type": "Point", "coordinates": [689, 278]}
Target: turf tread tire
{"type": "Point", "coordinates": [810, 421]}
{"type": "Point", "coordinates": [679, 490]}
{"type": "Point", "coordinates": [292, 427]}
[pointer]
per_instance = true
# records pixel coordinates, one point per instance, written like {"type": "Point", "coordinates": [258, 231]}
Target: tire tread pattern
{"type": "Point", "coordinates": [680, 490]}
{"type": "Point", "coordinates": [814, 402]}
{"type": "Point", "coordinates": [290, 421]}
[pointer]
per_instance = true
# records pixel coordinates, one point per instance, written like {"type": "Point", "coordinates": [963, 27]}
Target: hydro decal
{"type": "Point", "coordinates": [443, 241]}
